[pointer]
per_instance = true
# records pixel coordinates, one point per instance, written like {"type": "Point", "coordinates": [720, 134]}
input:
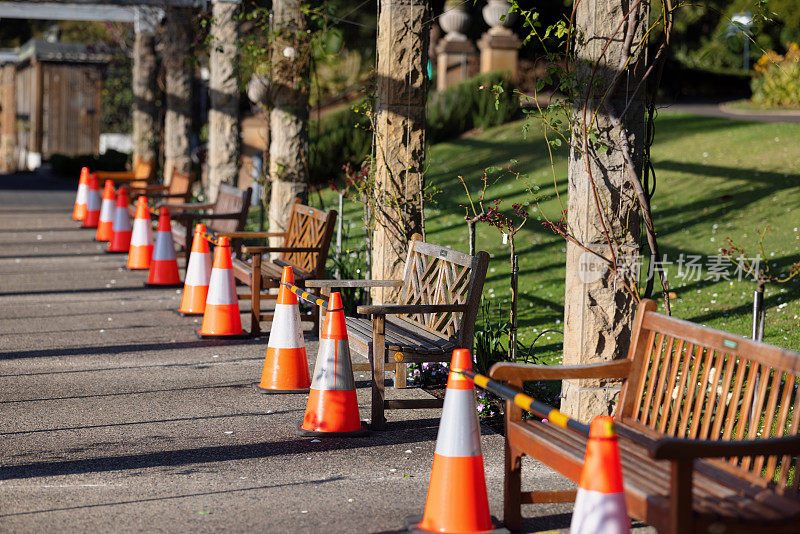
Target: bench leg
{"type": "Point", "coordinates": [400, 375]}
{"type": "Point", "coordinates": [512, 490]}
{"type": "Point", "coordinates": [255, 296]}
{"type": "Point", "coordinates": [378, 349]}
{"type": "Point", "coordinates": [681, 496]}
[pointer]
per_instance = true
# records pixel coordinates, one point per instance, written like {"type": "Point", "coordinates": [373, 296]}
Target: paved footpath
{"type": "Point", "coordinates": [115, 417]}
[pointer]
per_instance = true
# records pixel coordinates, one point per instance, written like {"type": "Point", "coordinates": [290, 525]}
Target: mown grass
{"type": "Point", "coordinates": [716, 178]}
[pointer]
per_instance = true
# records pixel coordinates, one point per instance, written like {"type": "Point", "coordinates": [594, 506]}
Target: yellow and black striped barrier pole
{"type": "Point", "coordinates": [524, 401]}
{"type": "Point", "coordinates": [306, 296]}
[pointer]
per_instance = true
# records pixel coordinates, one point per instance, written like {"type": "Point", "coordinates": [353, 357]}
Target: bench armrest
{"type": "Point", "coordinates": [262, 250]}
{"type": "Point", "coordinates": [689, 449]}
{"type": "Point", "coordinates": [243, 235]}
{"type": "Point", "coordinates": [398, 309]}
{"type": "Point", "coordinates": [149, 189]}
{"type": "Point", "coordinates": [117, 175]}
{"type": "Point", "coordinates": [353, 283]}
{"type": "Point", "coordinates": [507, 371]}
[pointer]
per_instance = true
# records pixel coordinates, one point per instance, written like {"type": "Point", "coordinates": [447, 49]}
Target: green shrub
{"type": "Point", "coordinates": [776, 82]}
{"type": "Point", "coordinates": [480, 102]}
{"type": "Point", "coordinates": [345, 136]}
{"type": "Point", "coordinates": [70, 166]}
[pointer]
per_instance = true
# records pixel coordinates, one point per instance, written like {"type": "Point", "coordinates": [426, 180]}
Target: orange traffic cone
{"type": "Point", "coordinates": [600, 503]}
{"type": "Point", "coordinates": [92, 203]}
{"type": "Point", "coordinates": [121, 228]}
{"type": "Point", "coordinates": [286, 364]}
{"type": "Point", "coordinates": [142, 237]}
{"type": "Point", "coordinates": [106, 222]}
{"type": "Point", "coordinates": [79, 211]}
{"type": "Point", "coordinates": [457, 499]}
{"type": "Point", "coordinates": [164, 264]}
{"type": "Point", "coordinates": [198, 275]}
{"type": "Point", "coordinates": [332, 408]}
{"type": "Point", "coordinates": [221, 317]}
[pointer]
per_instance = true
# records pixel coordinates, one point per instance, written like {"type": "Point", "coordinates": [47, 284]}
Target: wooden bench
{"type": "Point", "coordinates": [439, 299]}
{"type": "Point", "coordinates": [227, 214]}
{"type": "Point", "coordinates": [141, 175]}
{"type": "Point", "coordinates": [179, 189]}
{"type": "Point", "coordinates": [304, 248]}
{"type": "Point", "coordinates": [708, 424]}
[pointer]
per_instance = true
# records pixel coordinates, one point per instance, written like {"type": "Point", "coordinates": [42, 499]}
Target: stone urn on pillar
{"type": "Point", "coordinates": [456, 57]}
{"type": "Point", "coordinates": [499, 46]}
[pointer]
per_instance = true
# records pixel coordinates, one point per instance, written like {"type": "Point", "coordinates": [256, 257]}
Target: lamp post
{"type": "Point", "coordinates": [740, 25]}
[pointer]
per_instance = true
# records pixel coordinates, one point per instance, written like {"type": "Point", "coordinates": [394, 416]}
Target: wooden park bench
{"type": "Point", "coordinates": [179, 189]}
{"type": "Point", "coordinates": [436, 311]}
{"type": "Point", "coordinates": [227, 214]}
{"type": "Point", "coordinates": [708, 424]}
{"type": "Point", "coordinates": [304, 248]}
{"type": "Point", "coordinates": [141, 175]}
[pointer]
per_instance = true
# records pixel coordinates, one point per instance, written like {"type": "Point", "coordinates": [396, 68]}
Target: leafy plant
{"type": "Point", "coordinates": [490, 334]}
{"type": "Point", "coordinates": [775, 82]}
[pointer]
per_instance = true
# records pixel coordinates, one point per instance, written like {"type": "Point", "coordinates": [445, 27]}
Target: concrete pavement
{"type": "Point", "coordinates": [115, 417]}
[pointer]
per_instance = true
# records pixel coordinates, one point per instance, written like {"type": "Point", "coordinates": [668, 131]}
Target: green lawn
{"type": "Point", "coordinates": [717, 178]}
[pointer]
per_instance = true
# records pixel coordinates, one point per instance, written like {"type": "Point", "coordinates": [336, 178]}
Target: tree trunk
{"type": "Point", "coordinates": [223, 117]}
{"type": "Point", "coordinates": [288, 148]}
{"type": "Point", "coordinates": [178, 120]}
{"type": "Point", "coordinates": [403, 38]}
{"type": "Point", "coordinates": [8, 119]}
{"type": "Point", "coordinates": [599, 309]}
{"type": "Point", "coordinates": [145, 69]}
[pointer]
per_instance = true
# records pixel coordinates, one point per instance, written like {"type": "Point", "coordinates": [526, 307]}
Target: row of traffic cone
{"type": "Point", "coordinates": [457, 498]}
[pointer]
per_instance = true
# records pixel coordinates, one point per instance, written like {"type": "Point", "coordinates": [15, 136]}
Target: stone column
{"type": "Point", "coordinates": [599, 311]}
{"type": "Point", "coordinates": [499, 46]}
{"type": "Point", "coordinates": [8, 119]}
{"type": "Point", "coordinates": [145, 70]}
{"type": "Point", "coordinates": [223, 88]}
{"type": "Point", "coordinates": [400, 135]}
{"type": "Point", "coordinates": [178, 119]}
{"type": "Point", "coordinates": [455, 54]}
{"type": "Point", "coordinates": [288, 148]}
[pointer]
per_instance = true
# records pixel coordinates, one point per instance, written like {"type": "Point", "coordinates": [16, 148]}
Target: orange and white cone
{"type": "Point", "coordinates": [79, 210]}
{"type": "Point", "coordinates": [332, 408]}
{"type": "Point", "coordinates": [142, 237]}
{"type": "Point", "coordinates": [106, 222]}
{"type": "Point", "coordinates": [92, 203]}
{"type": "Point", "coordinates": [164, 263]}
{"type": "Point", "coordinates": [457, 499]}
{"type": "Point", "coordinates": [198, 275]}
{"type": "Point", "coordinates": [286, 364]}
{"type": "Point", "coordinates": [121, 228]}
{"type": "Point", "coordinates": [221, 317]}
{"type": "Point", "coordinates": [600, 504]}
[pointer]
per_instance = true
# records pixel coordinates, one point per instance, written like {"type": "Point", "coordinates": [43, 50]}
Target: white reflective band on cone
{"type": "Point", "coordinates": [198, 272]}
{"type": "Point", "coordinates": [222, 288]}
{"type": "Point", "coordinates": [142, 235]}
{"type": "Point", "coordinates": [599, 513]}
{"type": "Point", "coordinates": [93, 201]}
{"type": "Point", "coordinates": [164, 248]}
{"type": "Point", "coordinates": [122, 222]}
{"type": "Point", "coordinates": [107, 210]}
{"type": "Point", "coordinates": [459, 431]}
{"type": "Point", "coordinates": [329, 376]}
{"type": "Point", "coordinates": [286, 332]}
{"type": "Point", "coordinates": [83, 192]}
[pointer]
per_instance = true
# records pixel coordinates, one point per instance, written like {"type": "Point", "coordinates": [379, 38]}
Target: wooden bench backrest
{"type": "Point", "coordinates": [439, 275]}
{"type": "Point", "coordinates": [230, 200]}
{"type": "Point", "coordinates": [180, 182]}
{"type": "Point", "coordinates": [142, 170]}
{"type": "Point", "coordinates": [309, 227]}
{"type": "Point", "coordinates": [694, 382]}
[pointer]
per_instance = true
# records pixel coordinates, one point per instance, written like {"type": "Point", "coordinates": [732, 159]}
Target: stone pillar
{"type": "Point", "coordinates": [499, 46]}
{"type": "Point", "coordinates": [599, 311]}
{"type": "Point", "coordinates": [400, 135]}
{"type": "Point", "coordinates": [178, 88]}
{"type": "Point", "coordinates": [145, 70]}
{"type": "Point", "coordinates": [456, 57]}
{"type": "Point", "coordinates": [8, 119]}
{"type": "Point", "coordinates": [288, 123]}
{"type": "Point", "coordinates": [223, 88]}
